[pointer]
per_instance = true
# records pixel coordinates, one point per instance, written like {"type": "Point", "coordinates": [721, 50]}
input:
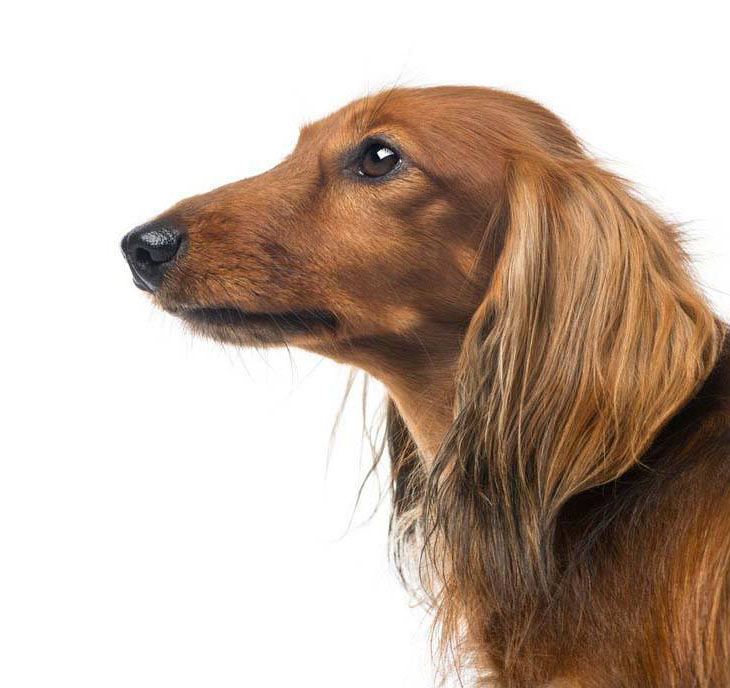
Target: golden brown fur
{"type": "Point", "coordinates": [558, 413]}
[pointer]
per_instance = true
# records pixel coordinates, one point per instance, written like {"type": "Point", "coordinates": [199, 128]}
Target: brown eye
{"type": "Point", "coordinates": [378, 160]}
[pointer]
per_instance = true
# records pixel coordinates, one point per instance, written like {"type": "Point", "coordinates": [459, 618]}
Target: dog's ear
{"type": "Point", "coordinates": [591, 337]}
{"type": "Point", "coordinates": [599, 334]}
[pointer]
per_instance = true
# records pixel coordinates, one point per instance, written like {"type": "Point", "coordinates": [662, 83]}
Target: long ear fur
{"type": "Point", "coordinates": [408, 480]}
{"type": "Point", "coordinates": [591, 337]}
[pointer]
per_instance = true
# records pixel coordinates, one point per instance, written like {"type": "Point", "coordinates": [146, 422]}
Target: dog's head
{"type": "Point", "coordinates": [384, 223]}
{"type": "Point", "coordinates": [420, 225]}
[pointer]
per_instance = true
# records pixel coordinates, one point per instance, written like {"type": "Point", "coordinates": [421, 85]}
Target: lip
{"type": "Point", "coordinates": [265, 325]}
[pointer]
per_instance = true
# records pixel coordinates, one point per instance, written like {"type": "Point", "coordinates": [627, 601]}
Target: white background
{"type": "Point", "coordinates": [165, 515]}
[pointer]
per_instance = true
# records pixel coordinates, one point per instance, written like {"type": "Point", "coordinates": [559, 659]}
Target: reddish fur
{"type": "Point", "coordinates": [559, 388]}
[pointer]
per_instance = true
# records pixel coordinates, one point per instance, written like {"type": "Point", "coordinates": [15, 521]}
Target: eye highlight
{"type": "Point", "coordinates": [378, 160]}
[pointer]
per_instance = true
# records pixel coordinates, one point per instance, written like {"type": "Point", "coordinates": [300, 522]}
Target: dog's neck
{"type": "Point", "coordinates": [426, 405]}
{"type": "Point", "coordinates": [420, 378]}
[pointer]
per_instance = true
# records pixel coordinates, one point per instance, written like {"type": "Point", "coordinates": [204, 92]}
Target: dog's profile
{"type": "Point", "coordinates": [558, 385]}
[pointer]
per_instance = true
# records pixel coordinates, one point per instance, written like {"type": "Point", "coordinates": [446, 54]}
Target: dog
{"type": "Point", "coordinates": [557, 383]}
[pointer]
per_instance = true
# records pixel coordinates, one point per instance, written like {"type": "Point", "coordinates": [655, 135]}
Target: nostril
{"type": "Point", "coordinates": [142, 257]}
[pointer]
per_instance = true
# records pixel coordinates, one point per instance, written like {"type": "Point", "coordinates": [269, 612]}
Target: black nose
{"type": "Point", "coordinates": [151, 250]}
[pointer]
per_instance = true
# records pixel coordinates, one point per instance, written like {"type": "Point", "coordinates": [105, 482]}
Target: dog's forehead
{"type": "Point", "coordinates": [398, 108]}
{"type": "Point", "coordinates": [393, 111]}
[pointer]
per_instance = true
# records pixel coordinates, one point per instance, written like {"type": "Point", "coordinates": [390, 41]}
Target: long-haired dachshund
{"type": "Point", "coordinates": [558, 385]}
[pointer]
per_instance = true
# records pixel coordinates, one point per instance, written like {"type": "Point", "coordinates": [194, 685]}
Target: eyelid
{"type": "Point", "coordinates": [378, 140]}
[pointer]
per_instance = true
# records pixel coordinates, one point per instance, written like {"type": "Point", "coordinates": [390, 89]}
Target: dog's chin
{"type": "Point", "coordinates": [233, 325]}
